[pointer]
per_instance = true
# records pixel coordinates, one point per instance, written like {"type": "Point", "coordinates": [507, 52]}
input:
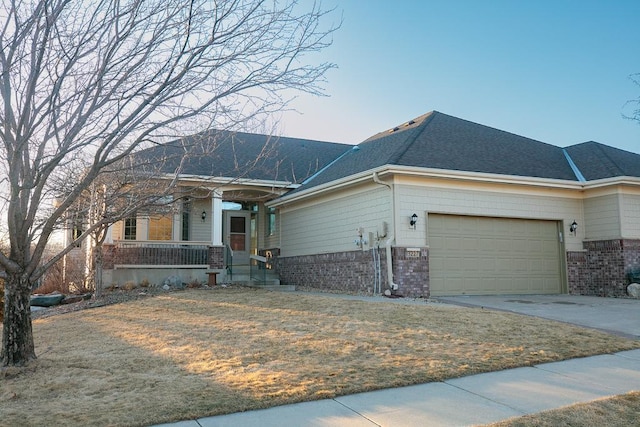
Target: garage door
{"type": "Point", "coordinates": [479, 255]}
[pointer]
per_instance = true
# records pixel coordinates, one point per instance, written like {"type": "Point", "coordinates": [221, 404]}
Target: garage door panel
{"type": "Point", "coordinates": [471, 243]}
{"type": "Point", "coordinates": [521, 264]}
{"type": "Point", "coordinates": [537, 265]}
{"type": "Point", "coordinates": [529, 246]}
{"type": "Point", "coordinates": [478, 255]}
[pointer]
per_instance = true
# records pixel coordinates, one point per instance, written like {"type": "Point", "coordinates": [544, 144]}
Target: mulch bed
{"type": "Point", "coordinates": [108, 297]}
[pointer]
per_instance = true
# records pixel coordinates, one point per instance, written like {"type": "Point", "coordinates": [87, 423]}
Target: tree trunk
{"type": "Point", "coordinates": [97, 267]}
{"type": "Point", "coordinates": [17, 335]}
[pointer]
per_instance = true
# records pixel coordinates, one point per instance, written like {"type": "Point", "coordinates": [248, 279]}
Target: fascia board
{"type": "Point", "coordinates": [208, 180]}
{"type": "Point", "coordinates": [607, 182]}
{"type": "Point", "coordinates": [428, 173]}
{"type": "Point", "coordinates": [328, 187]}
{"type": "Point", "coordinates": [485, 177]}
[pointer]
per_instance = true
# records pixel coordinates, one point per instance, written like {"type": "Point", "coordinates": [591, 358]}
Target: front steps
{"type": "Point", "coordinates": [267, 279]}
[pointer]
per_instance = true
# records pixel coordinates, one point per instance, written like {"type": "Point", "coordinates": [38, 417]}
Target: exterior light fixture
{"type": "Point", "coordinates": [573, 227]}
{"type": "Point", "coordinates": [204, 216]}
{"type": "Point", "coordinates": [413, 221]}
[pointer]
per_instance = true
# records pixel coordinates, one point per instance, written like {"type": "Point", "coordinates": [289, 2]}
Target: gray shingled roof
{"type": "Point", "coordinates": [599, 161]}
{"type": "Point", "coordinates": [439, 141]}
{"type": "Point", "coordinates": [236, 154]}
{"type": "Point", "coordinates": [434, 140]}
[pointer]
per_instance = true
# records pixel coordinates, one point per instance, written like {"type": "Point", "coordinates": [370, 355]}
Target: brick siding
{"type": "Point", "coordinates": [411, 271]}
{"type": "Point", "coordinates": [216, 257]}
{"type": "Point", "coordinates": [602, 268]}
{"type": "Point", "coordinates": [354, 272]}
{"type": "Point", "coordinates": [108, 256]}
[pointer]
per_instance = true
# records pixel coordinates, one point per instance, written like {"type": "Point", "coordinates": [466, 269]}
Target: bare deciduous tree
{"type": "Point", "coordinates": [634, 104]}
{"type": "Point", "coordinates": [83, 84]}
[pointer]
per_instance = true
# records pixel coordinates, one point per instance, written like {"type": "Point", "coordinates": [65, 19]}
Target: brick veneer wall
{"type": "Point", "coordinates": [602, 268]}
{"type": "Point", "coordinates": [354, 271]}
{"type": "Point", "coordinates": [411, 271]}
{"type": "Point", "coordinates": [216, 257]}
{"type": "Point", "coordinates": [578, 273]}
{"type": "Point", "coordinates": [631, 249]}
{"type": "Point", "coordinates": [108, 256]}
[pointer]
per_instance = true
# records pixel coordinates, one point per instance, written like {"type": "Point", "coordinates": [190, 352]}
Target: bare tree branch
{"type": "Point", "coordinates": [84, 85]}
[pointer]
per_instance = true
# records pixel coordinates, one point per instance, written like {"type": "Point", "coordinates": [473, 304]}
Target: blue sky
{"type": "Point", "coordinates": [555, 71]}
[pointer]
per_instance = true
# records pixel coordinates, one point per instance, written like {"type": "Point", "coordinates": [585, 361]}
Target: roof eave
{"type": "Point", "coordinates": [486, 177]}
{"type": "Point", "coordinates": [221, 180]}
{"type": "Point", "coordinates": [327, 187]}
{"type": "Point", "coordinates": [427, 173]}
{"type": "Point", "coordinates": [616, 180]}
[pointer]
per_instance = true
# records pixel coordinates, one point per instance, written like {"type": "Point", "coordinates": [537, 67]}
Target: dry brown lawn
{"type": "Point", "coordinates": [198, 353]}
{"type": "Point", "coordinates": [617, 411]}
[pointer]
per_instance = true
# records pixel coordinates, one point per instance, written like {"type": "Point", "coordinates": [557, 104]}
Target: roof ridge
{"type": "Point", "coordinates": [574, 167]}
{"type": "Point", "coordinates": [395, 157]}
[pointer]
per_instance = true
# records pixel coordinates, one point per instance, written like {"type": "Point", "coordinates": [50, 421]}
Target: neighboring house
{"type": "Point", "coordinates": [451, 206]}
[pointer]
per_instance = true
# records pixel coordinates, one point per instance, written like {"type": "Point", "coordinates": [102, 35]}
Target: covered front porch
{"type": "Point", "coordinates": [224, 232]}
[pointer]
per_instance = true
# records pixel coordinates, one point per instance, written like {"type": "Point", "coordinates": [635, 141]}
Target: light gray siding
{"type": "Point", "coordinates": [331, 224]}
{"type": "Point", "coordinates": [602, 217]}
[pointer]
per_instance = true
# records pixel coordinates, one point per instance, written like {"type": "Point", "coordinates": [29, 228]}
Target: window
{"type": "Point", "coordinates": [271, 221]}
{"type": "Point", "coordinates": [130, 228]}
{"type": "Point", "coordinates": [76, 232]}
{"type": "Point", "coordinates": [161, 227]}
{"type": "Point", "coordinates": [238, 233]}
{"type": "Point", "coordinates": [186, 212]}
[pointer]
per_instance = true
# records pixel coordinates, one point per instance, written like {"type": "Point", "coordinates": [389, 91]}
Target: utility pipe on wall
{"type": "Point", "coordinates": [389, 241]}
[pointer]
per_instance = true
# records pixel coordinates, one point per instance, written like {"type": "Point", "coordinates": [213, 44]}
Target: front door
{"type": "Point", "coordinates": [238, 235]}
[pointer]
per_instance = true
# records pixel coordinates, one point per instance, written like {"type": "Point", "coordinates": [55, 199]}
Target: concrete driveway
{"type": "Point", "coordinates": [619, 316]}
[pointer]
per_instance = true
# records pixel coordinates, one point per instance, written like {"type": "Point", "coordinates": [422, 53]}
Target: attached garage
{"type": "Point", "coordinates": [481, 255]}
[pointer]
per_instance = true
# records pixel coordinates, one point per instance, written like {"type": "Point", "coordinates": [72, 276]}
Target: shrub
{"type": "Point", "coordinates": [55, 279]}
{"type": "Point", "coordinates": [194, 284]}
{"type": "Point", "coordinates": [130, 285]}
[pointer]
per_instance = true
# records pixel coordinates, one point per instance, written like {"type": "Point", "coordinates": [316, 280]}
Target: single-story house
{"type": "Point", "coordinates": [435, 206]}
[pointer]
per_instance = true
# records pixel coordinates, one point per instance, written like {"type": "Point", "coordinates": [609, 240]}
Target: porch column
{"type": "Point", "coordinates": [176, 229]}
{"type": "Point", "coordinates": [216, 219]}
{"type": "Point", "coordinates": [109, 237]}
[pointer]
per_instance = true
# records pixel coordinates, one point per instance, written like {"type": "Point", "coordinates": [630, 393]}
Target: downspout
{"type": "Point", "coordinates": [392, 285]}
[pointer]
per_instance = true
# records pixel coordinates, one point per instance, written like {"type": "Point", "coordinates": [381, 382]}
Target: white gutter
{"type": "Point", "coordinates": [184, 178]}
{"type": "Point", "coordinates": [387, 245]}
{"type": "Point", "coordinates": [435, 173]}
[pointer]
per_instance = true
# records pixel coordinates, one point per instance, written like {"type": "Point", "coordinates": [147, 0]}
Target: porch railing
{"type": "Point", "coordinates": [258, 268]}
{"type": "Point", "coordinates": [154, 253]}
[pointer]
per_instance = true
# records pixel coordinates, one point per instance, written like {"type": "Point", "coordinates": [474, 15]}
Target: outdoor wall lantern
{"type": "Point", "coordinates": [204, 216]}
{"type": "Point", "coordinates": [573, 227]}
{"type": "Point", "coordinates": [413, 221]}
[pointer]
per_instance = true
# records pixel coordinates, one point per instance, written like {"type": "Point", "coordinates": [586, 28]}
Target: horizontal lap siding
{"type": "Point", "coordinates": [520, 202]}
{"type": "Point", "coordinates": [602, 217]}
{"type": "Point", "coordinates": [330, 224]}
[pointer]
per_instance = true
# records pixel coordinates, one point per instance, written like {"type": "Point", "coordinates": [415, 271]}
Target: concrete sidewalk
{"type": "Point", "coordinates": [474, 400]}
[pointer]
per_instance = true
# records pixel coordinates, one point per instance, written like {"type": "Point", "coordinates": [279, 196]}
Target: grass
{"type": "Point", "coordinates": [617, 411]}
{"type": "Point", "coordinates": [198, 353]}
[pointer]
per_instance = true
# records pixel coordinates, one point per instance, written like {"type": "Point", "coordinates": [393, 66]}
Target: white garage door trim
{"type": "Point", "coordinates": [470, 255]}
